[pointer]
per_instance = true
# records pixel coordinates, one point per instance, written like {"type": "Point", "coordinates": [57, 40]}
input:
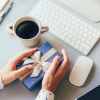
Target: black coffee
{"type": "Point", "coordinates": [27, 30]}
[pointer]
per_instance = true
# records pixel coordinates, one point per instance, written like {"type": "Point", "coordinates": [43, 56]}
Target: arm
{"type": "Point", "coordinates": [53, 77]}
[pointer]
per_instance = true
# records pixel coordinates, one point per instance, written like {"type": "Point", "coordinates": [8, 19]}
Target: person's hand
{"type": "Point", "coordinates": [53, 77]}
{"type": "Point", "coordinates": [9, 73]}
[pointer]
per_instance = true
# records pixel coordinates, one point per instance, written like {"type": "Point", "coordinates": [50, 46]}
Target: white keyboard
{"type": "Point", "coordinates": [66, 26]}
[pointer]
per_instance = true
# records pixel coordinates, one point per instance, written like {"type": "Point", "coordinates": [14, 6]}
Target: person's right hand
{"type": "Point", "coordinates": [53, 77]}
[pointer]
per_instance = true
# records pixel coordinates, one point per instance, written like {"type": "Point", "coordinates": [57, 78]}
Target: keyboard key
{"type": "Point", "coordinates": [66, 29]}
{"type": "Point", "coordinates": [61, 31]}
{"type": "Point", "coordinates": [39, 6]}
{"type": "Point", "coordinates": [62, 26]}
{"type": "Point", "coordinates": [49, 3]}
{"type": "Point", "coordinates": [77, 20]}
{"type": "Point", "coordinates": [73, 17]}
{"type": "Point", "coordinates": [79, 36]}
{"type": "Point", "coordinates": [90, 27]}
{"type": "Point", "coordinates": [67, 40]}
{"type": "Point", "coordinates": [65, 12]}
{"type": "Point", "coordinates": [64, 22]}
{"type": "Point", "coordinates": [57, 7]}
{"type": "Point", "coordinates": [60, 19]}
{"type": "Point", "coordinates": [85, 46]}
{"type": "Point", "coordinates": [57, 34]}
{"type": "Point", "coordinates": [93, 40]}
{"type": "Point", "coordinates": [72, 27]}
{"type": "Point", "coordinates": [41, 3]}
{"type": "Point", "coordinates": [49, 24]}
{"type": "Point", "coordinates": [98, 32]}
{"type": "Point", "coordinates": [82, 22]}
{"type": "Point", "coordinates": [85, 30]}
{"type": "Point", "coordinates": [65, 33]}
{"type": "Point", "coordinates": [85, 35]}
{"type": "Point", "coordinates": [80, 32]}
{"type": "Point", "coordinates": [60, 15]}
{"type": "Point", "coordinates": [81, 27]}
{"type": "Point", "coordinates": [76, 29]}
{"type": "Point", "coordinates": [78, 41]}
{"type": "Point", "coordinates": [87, 42]}
{"type": "Point", "coordinates": [73, 22]}
{"type": "Point", "coordinates": [58, 24]}
{"type": "Point", "coordinates": [57, 28]}
{"type": "Point", "coordinates": [89, 32]}
{"type": "Point", "coordinates": [53, 26]}
{"type": "Point", "coordinates": [85, 52]}
{"type": "Point", "coordinates": [45, 1]}
{"type": "Point", "coordinates": [68, 20]}
{"type": "Point", "coordinates": [64, 17]}
{"type": "Point", "coordinates": [53, 5]}
{"type": "Point", "coordinates": [69, 36]}
{"type": "Point", "coordinates": [77, 25]}
{"type": "Point", "coordinates": [89, 37]}
{"type": "Point", "coordinates": [94, 30]}
{"type": "Point", "coordinates": [74, 39]}
{"type": "Point", "coordinates": [74, 34]}
{"type": "Point", "coordinates": [86, 25]}
{"type": "Point", "coordinates": [69, 15]}
{"type": "Point", "coordinates": [54, 21]}
{"type": "Point", "coordinates": [45, 5]}
{"type": "Point", "coordinates": [70, 31]}
{"type": "Point", "coordinates": [92, 44]}
{"type": "Point", "coordinates": [68, 24]}
{"type": "Point", "coordinates": [95, 36]}
{"type": "Point", "coordinates": [76, 46]}
{"type": "Point", "coordinates": [72, 43]}
{"type": "Point", "coordinates": [61, 10]}
{"type": "Point", "coordinates": [81, 49]}
{"type": "Point", "coordinates": [83, 39]}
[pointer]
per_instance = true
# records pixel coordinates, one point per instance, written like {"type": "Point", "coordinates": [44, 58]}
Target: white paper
{"type": "Point", "coordinates": [3, 4]}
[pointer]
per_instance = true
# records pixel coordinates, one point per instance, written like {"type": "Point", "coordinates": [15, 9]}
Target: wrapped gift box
{"type": "Point", "coordinates": [32, 82]}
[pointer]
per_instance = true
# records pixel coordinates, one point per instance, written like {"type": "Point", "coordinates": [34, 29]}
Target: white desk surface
{"type": "Point", "coordinates": [10, 46]}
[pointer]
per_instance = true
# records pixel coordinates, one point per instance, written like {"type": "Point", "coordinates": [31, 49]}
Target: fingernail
{"type": "Point", "coordinates": [61, 54]}
{"type": "Point", "coordinates": [30, 66]}
{"type": "Point", "coordinates": [58, 58]}
{"type": "Point", "coordinates": [36, 48]}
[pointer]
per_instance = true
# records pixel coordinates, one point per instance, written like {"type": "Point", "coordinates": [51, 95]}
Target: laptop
{"type": "Point", "coordinates": [88, 8]}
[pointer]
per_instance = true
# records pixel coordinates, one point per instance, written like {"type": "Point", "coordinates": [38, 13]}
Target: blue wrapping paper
{"type": "Point", "coordinates": [32, 82]}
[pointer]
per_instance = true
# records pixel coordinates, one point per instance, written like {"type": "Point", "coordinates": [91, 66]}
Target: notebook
{"type": "Point", "coordinates": [3, 4]}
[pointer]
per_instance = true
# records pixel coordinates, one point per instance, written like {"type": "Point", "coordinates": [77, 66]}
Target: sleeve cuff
{"type": "Point", "coordinates": [1, 84]}
{"type": "Point", "coordinates": [45, 95]}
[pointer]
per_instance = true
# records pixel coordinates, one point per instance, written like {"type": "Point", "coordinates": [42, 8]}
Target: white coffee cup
{"type": "Point", "coordinates": [32, 41]}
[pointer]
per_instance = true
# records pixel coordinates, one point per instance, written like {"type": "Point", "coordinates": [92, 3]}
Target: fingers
{"type": "Point", "coordinates": [54, 66]}
{"type": "Point", "coordinates": [23, 54]}
{"type": "Point", "coordinates": [23, 70]}
{"type": "Point", "coordinates": [66, 61]}
{"type": "Point", "coordinates": [61, 71]}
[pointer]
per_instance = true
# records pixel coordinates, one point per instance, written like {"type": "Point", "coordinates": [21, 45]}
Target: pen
{"type": "Point", "coordinates": [6, 13]}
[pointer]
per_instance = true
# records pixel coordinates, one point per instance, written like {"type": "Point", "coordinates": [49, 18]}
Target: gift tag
{"type": "Point", "coordinates": [9, 29]}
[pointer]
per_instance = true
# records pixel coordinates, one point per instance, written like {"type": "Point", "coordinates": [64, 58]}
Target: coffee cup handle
{"type": "Point", "coordinates": [9, 28]}
{"type": "Point", "coordinates": [44, 29]}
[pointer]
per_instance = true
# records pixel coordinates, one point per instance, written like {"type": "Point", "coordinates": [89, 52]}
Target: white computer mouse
{"type": "Point", "coordinates": [80, 71]}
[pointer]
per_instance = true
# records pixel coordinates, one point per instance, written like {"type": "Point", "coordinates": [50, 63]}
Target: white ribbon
{"type": "Point", "coordinates": [36, 59]}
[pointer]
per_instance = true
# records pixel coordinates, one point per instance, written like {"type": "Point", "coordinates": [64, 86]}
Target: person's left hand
{"type": "Point", "coordinates": [9, 73]}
